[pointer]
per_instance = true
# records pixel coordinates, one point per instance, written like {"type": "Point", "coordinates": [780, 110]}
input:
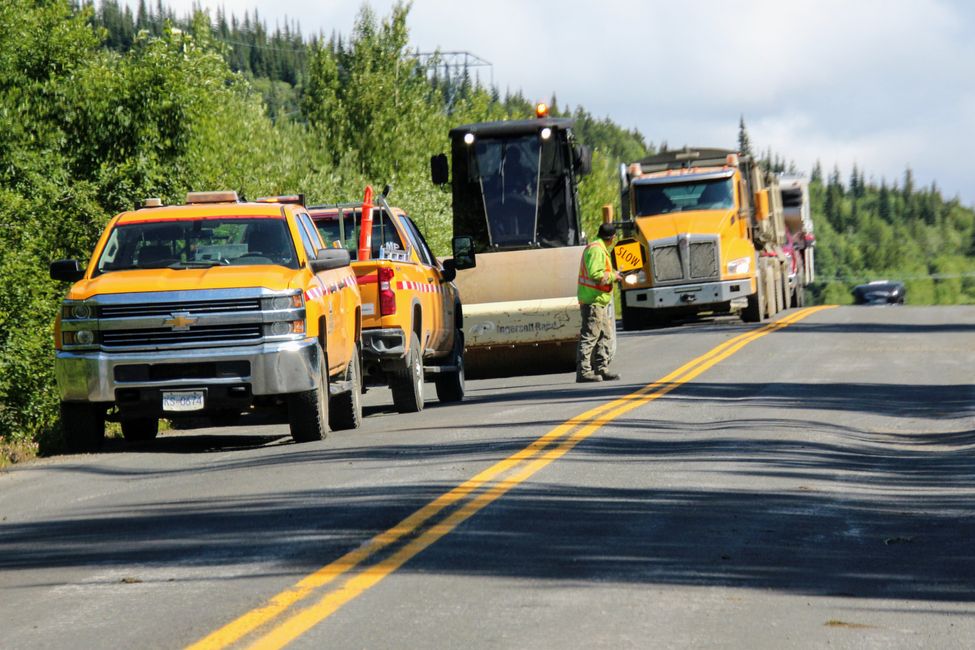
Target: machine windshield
{"type": "Point", "coordinates": [198, 243]}
{"type": "Point", "coordinates": [664, 198]}
{"type": "Point", "coordinates": [508, 174]}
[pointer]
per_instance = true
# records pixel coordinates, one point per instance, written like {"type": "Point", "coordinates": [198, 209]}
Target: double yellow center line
{"type": "Point", "coordinates": [274, 624]}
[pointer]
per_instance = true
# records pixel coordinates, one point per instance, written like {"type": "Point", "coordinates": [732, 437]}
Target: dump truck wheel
{"type": "Point", "coordinates": [140, 429]}
{"type": "Point", "coordinates": [345, 411]}
{"type": "Point", "coordinates": [407, 384]}
{"type": "Point", "coordinates": [754, 311]}
{"type": "Point", "coordinates": [83, 425]}
{"type": "Point", "coordinates": [450, 385]}
{"type": "Point", "coordinates": [308, 410]}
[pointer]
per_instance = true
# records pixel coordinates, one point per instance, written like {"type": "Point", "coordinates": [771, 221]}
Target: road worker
{"type": "Point", "coordinates": [597, 341]}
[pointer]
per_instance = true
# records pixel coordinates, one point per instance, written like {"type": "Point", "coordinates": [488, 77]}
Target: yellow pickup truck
{"type": "Point", "coordinates": [208, 309]}
{"type": "Point", "coordinates": [412, 318]}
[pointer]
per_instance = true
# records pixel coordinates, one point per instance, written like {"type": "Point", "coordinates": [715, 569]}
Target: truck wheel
{"type": "Point", "coordinates": [308, 411]}
{"type": "Point", "coordinates": [450, 385]}
{"type": "Point", "coordinates": [140, 429]}
{"type": "Point", "coordinates": [83, 425]}
{"type": "Point", "coordinates": [407, 384]}
{"type": "Point", "coordinates": [754, 311]}
{"type": "Point", "coordinates": [345, 411]}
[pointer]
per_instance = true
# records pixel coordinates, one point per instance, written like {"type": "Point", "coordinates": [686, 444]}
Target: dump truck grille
{"type": "Point", "coordinates": [194, 307]}
{"type": "Point", "coordinates": [704, 261]}
{"type": "Point", "coordinates": [164, 336]}
{"type": "Point", "coordinates": [688, 259]}
{"type": "Point", "coordinates": [666, 264]}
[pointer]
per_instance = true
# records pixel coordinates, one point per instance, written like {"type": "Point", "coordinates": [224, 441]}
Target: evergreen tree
{"type": "Point", "coordinates": [744, 142]}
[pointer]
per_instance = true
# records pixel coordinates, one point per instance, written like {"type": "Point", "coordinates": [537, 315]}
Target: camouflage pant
{"type": "Point", "coordinates": [597, 341]}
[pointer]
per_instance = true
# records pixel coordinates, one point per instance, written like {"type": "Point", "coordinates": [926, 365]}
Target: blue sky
{"type": "Point", "coordinates": [883, 84]}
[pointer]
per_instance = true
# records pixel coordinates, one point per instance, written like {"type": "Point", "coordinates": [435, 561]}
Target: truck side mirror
{"type": "Point", "coordinates": [66, 270]}
{"type": "Point", "coordinates": [330, 258]}
{"type": "Point", "coordinates": [449, 270]}
{"type": "Point", "coordinates": [582, 157]}
{"type": "Point", "coordinates": [464, 253]}
{"type": "Point", "coordinates": [439, 170]}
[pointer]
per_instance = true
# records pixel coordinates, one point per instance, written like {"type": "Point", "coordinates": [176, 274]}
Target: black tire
{"type": "Point", "coordinates": [345, 411]}
{"type": "Point", "coordinates": [407, 384]}
{"type": "Point", "coordinates": [308, 410]}
{"type": "Point", "coordinates": [140, 429]}
{"type": "Point", "coordinates": [450, 385]}
{"type": "Point", "coordinates": [754, 311]}
{"type": "Point", "coordinates": [83, 426]}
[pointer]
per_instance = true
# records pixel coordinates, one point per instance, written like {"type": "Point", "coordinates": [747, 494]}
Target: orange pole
{"type": "Point", "coordinates": [365, 226]}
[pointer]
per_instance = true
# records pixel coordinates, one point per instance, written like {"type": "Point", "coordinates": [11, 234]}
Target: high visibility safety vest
{"type": "Point", "coordinates": [594, 292]}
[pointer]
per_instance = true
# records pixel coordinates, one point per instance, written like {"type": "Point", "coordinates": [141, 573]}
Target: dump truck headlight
{"type": "Point", "coordinates": [740, 265]}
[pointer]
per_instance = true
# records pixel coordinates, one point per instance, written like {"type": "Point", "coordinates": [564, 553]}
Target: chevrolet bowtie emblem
{"type": "Point", "coordinates": [180, 321]}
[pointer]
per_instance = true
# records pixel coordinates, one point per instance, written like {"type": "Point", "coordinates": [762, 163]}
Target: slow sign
{"type": "Point", "coordinates": [628, 255]}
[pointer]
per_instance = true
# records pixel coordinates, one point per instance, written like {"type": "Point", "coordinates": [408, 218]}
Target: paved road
{"type": "Point", "coordinates": [804, 486]}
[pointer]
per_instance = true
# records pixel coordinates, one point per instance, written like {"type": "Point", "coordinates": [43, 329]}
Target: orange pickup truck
{"type": "Point", "coordinates": [209, 308]}
{"type": "Point", "coordinates": [412, 319]}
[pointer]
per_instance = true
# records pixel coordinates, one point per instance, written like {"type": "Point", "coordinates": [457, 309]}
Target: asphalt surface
{"type": "Point", "coordinates": [814, 488]}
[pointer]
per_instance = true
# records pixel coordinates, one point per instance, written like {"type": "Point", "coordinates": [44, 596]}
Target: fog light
{"type": "Point", "coordinates": [85, 337]}
{"type": "Point", "coordinates": [281, 328]}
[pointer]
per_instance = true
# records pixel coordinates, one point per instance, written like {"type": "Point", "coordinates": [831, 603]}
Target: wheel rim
{"type": "Point", "coordinates": [418, 375]}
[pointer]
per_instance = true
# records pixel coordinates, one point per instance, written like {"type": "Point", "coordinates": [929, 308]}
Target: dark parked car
{"type": "Point", "coordinates": [879, 292]}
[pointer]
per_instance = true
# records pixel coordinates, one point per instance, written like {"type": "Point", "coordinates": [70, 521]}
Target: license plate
{"type": "Point", "coordinates": [189, 400]}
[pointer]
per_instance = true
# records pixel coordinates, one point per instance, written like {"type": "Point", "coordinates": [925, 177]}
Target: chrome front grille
{"type": "Point", "coordinates": [688, 258]}
{"type": "Point", "coordinates": [193, 307]}
{"type": "Point", "coordinates": [666, 264]}
{"type": "Point", "coordinates": [704, 261]}
{"type": "Point", "coordinates": [196, 336]}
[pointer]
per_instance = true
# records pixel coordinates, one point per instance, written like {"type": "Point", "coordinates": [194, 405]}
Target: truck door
{"type": "Point", "coordinates": [434, 297]}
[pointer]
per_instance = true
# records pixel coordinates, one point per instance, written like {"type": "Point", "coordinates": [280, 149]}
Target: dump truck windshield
{"type": "Point", "coordinates": [508, 174]}
{"type": "Point", "coordinates": [664, 198]}
{"type": "Point", "coordinates": [198, 243]}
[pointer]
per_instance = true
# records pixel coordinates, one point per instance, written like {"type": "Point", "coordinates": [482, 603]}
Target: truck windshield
{"type": "Point", "coordinates": [508, 174]}
{"type": "Point", "coordinates": [198, 243]}
{"type": "Point", "coordinates": [664, 198]}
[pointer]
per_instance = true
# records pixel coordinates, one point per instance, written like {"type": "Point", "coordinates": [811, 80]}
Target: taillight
{"type": "Point", "coordinates": [387, 297]}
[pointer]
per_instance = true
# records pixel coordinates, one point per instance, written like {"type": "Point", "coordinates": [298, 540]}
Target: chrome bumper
{"type": "Point", "coordinates": [275, 369]}
{"type": "Point", "coordinates": [688, 295]}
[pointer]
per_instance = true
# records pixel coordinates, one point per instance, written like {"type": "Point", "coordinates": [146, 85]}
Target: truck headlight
{"type": "Point", "coordinates": [78, 337]}
{"type": "Point", "coordinates": [739, 266]}
{"type": "Point", "coordinates": [280, 303]}
{"type": "Point", "coordinates": [76, 311]}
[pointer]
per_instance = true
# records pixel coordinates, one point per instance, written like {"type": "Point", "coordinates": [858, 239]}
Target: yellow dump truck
{"type": "Point", "coordinates": [208, 309]}
{"type": "Point", "coordinates": [514, 190]}
{"type": "Point", "coordinates": [412, 318]}
{"type": "Point", "coordinates": [705, 233]}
